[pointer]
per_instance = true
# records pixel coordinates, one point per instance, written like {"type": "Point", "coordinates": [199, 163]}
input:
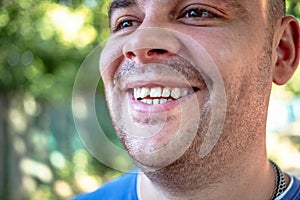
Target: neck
{"type": "Point", "coordinates": [240, 183]}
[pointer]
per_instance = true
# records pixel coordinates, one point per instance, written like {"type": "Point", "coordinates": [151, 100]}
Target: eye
{"type": "Point", "coordinates": [125, 24]}
{"type": "Point", "coordinates": [201, 15]}
{"type": "Point", "coordinates": [198, 13]}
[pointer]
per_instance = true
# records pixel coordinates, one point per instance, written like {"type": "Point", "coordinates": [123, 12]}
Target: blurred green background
{"type": "Point", "coordinates": [42, 45]}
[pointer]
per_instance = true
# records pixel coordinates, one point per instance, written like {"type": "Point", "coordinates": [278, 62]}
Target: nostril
{"type": "Point", "coordinates": [156, 51]}
{"type": "Point", "coordinates": [142, 54]}
{"type": "Point", "coordinates": [129, 54]}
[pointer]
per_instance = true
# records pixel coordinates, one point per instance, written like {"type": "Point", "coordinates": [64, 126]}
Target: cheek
{"type": "Point", "coordinates": [232, 65]}
{"type": "Point", "coordinates": [239, 63]}
{"type": "Point", "coordinates": [107, 72]}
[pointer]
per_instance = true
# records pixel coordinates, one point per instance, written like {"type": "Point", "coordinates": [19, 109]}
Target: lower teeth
{"type": "Point", "coordinates": [155, 101]}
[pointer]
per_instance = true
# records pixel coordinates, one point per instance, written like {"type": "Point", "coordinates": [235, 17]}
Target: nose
{"type": "Point", "coordinates": [150, 44]}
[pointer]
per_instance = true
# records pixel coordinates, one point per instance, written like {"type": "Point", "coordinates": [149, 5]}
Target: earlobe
{"type": "Point", "coordinates": [287, 51]}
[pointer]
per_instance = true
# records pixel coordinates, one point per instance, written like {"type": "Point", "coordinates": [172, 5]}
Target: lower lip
{"type": "Point", "coordinates": [146, 108]}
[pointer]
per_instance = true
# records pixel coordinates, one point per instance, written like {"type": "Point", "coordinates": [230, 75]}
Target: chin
{"type": "Point", "coordinates": [157, 139]}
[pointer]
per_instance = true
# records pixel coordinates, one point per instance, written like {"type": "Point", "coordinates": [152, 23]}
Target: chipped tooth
{"type": "Point", "coordinates": [166, 92]}
{"type": "Point", "coordinates": [155, 101]}
{"type": "Point", "coordinates": [144, 92]}
{"type": "Point", "coordinates": [155, 92]}
{"type": "Point", "coordinates": [162, 101]}
{"type": "Point", "coordinates": [149, 101]}
{"type": "Point", "coordinates": [176, 93]}
{"type": "Point", "coordinates": [184, 92]}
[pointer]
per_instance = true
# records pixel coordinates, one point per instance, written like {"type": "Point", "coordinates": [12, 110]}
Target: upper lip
{"type": "Point", "coordinates": [158, 83]}
{"type": "Point", "coordinates": [159, 75]}
{"type": "Point", "coordinates": [158, 80]}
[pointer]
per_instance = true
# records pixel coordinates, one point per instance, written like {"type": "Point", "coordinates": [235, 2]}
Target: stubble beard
{"type": "Point", "coordinates": [191, 172]}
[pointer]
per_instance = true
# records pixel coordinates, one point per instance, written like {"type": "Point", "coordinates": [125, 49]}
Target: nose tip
{"type": "Point", "coordinates": [149, 44]}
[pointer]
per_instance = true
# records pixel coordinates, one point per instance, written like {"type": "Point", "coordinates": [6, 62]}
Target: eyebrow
{"type": "Point", "coordinates": [117, 4]}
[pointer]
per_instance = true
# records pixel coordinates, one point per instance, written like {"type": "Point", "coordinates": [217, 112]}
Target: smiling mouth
{"type": "Point", "coordinates": [161, 95]}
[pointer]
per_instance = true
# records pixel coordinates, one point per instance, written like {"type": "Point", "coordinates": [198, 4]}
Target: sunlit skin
{"type": "Point", "coordinates": [250, 54]}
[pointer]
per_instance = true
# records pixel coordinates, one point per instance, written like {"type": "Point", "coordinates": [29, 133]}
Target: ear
{"type": "Point", "coordinates": [287, 50]}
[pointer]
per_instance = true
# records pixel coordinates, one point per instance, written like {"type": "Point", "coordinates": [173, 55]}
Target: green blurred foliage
{"type": "Point", "coordinates": [42, 45]}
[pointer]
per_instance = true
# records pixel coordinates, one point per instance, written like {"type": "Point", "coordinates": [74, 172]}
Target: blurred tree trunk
{"type": "Point", "coordinates": [3, 147]}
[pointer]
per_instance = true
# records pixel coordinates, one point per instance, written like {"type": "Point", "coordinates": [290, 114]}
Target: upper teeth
{"type": "Point", "coordinates": [155, 92]}
{"type": "Point", "coordinates": [167, 93]}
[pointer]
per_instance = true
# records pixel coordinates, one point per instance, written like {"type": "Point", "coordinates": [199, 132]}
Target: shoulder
{"type": "Point", "coordinates": [121, 188]}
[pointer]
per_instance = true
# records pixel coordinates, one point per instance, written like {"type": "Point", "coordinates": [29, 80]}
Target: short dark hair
{"type": "Point", "coordinates": [276, 9]}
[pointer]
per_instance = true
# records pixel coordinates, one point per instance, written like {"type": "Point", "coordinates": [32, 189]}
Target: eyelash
{"type": "Point", "coordinates": [197, 11]}
{"type": "Point", "coordinates": [121, 25]}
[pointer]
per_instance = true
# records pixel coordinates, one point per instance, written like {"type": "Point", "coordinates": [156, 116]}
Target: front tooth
{"type": "Point", "coordinates": [162, 101]}
{"type": "Point", "coordinates": [166, 92]}
{"type": "Point", "coordinates": [155, 101]}
{"type": "Point", "coordinates": [137, 93]}
{"type": "Point", "coordinates": [149, 101]}
{"type": "Point", "coordinates": [176, 93]}
{"type": "Point", "coordinates": [184, 92]}
{"type": "Point", "coordinates": [155, 92]}
{"type": "Point", "coordinates": [144, 92]}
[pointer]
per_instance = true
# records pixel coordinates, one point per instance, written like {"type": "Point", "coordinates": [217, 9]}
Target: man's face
{"type": "Point", "coordinates": [162, 97]}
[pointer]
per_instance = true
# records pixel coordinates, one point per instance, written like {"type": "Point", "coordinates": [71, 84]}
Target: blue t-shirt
{"type": "Point", "coordinates": [125, 188]}
{"type": "Point", "coordinates": [292, 192]}
{"type": "Point", "coordinates": [122, 188]}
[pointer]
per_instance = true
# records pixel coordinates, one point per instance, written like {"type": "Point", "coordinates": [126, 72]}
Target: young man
{"type": "Point", "coordinates": [188, 84]}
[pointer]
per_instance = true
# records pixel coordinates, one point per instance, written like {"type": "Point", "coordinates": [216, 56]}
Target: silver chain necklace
{"type": "Point", "coordinates": [280, 181]}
